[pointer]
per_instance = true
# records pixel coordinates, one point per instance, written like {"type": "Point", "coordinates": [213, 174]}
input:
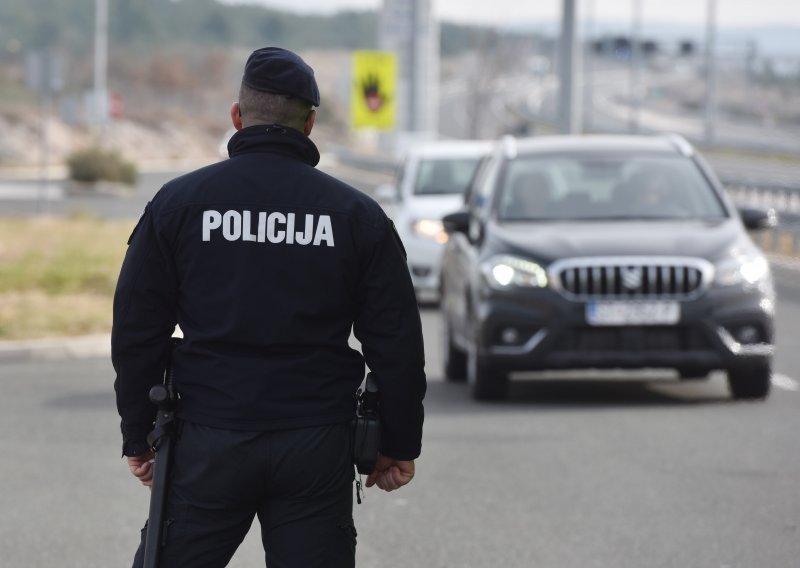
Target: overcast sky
{"type": "Point", "coordinates": [731, 13]}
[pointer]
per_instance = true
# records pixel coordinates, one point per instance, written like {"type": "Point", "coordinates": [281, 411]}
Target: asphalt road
{"type": "Point", "coordinates": [568, 473]}
{"type": "Point", "coordinates": [580, 472]}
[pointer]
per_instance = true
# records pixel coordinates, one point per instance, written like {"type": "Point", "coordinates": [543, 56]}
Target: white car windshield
{"type": "Point", "coordinates": [444, 176]}
{"type": "Point", "coordinates": [596, 187]}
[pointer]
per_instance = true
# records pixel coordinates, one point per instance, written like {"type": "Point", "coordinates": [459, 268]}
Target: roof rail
{"type": "Point", "coordinates": [680, 143]}
{"type": "Point", "coordinates": [509, 146]}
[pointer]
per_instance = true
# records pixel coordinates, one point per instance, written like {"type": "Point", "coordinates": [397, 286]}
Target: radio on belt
{"type": "Point", "coordinates": [367, 426]}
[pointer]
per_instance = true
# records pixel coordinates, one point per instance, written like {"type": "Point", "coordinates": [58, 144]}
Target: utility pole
{"type": "Point", "coordinates": [409, 29]}
{"type": "Point", "coordinates": [100, 96]}
{"type": "Point", "coordinates": [711, 73]}
{"type": "Point", "coordinates": [569, 108]}
{"type": "Point", "coordinates": [588, 68]}
{"type": "Point", "coordinates": [44, 74]}
{"type": "Point", "coordinates": [635, 92]}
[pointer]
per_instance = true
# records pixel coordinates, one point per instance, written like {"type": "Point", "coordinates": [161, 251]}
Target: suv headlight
{"type": "Point", "coordinates": [429, 229]}
{"type": "Point", "coordinates": [504, 271]}
{"type": "Point", "coordinates": [748, 272]}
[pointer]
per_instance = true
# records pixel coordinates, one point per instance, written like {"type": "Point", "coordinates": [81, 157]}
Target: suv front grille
{"type": "Point", "coordinates": [641, 278]}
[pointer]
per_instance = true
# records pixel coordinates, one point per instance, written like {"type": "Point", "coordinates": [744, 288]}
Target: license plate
{"type": "Point", "coordinates": [633, 313]}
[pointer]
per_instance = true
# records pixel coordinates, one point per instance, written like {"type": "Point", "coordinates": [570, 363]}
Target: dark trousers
{"type": "Point", "coordinates": [298, 483]}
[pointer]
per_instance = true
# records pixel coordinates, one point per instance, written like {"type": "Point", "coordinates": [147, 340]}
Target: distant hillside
{"type": "Point", "coordinates": [174, 67]}
{"type": "Point", "coordinates": [157, 24]}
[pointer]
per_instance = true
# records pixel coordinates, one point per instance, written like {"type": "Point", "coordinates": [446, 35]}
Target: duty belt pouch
{"type": "Point", "coordinates": [367, 427]}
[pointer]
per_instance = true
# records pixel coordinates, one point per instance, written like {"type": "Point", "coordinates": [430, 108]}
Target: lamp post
{"type": "Point", "coordinates": [569, 115]}
{"type": "Point", "coordinates": [635, 92]}
{"type": "Point", "coordinates": [100, 96]}
{"type": "Point", "coordinates": [711, 73]}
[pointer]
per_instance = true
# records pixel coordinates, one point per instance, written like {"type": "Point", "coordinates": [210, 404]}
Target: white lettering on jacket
{"type": "Point", "coordinates": [275, 227]}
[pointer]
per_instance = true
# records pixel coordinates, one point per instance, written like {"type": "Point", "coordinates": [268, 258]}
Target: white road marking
{"type": "Point", "coordinates": [785, 383]}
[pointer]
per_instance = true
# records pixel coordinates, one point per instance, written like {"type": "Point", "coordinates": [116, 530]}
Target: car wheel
{"type": "Point", "coordinates": [455, 360]}
{"type": "Point", "coordinates": [486, 383]}
{"type": "Point", "coordinates": [750, 382]}
{"type": "Point", "coordinates": [689, 373]}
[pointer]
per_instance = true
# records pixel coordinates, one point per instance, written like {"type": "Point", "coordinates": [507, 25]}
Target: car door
{"type": "Point", "coordinates": [464, 251]}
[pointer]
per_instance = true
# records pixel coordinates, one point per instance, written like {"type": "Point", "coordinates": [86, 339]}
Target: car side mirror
{"type": "Point", "coordinates": [386, 194]}
{"type": "Point", "coordinates": [457, 222]}
{"type": "Point", "coordinates": [755, 219]}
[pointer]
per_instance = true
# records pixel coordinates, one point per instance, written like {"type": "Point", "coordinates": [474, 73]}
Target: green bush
{"type": "Point", "coordinates": [95, 164]}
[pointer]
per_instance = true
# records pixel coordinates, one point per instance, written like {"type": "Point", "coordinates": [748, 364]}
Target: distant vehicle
{"type": "Point", "coordinates": [615, 252]}
{"type": "Point", "coordinates": [431, 182]}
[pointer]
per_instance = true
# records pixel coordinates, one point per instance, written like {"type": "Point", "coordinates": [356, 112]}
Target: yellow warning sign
{"type": "Point", "coordinates": [373, 101]}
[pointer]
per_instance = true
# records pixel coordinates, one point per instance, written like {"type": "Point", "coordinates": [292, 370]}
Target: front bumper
{"type": "Point", "coordinates": [528, 330]}
{"type": "Point", "coordinates": [424, 257]}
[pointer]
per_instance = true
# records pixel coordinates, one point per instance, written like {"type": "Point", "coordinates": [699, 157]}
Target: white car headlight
{"type": "Point", "coordinates": [748, 272]}
{"type": "Point", "coordinates": [504, 271]}
{"type": "Point", "coordinates": [430, 229]}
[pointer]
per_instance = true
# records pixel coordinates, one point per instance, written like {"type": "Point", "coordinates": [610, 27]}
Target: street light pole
{"type": "Point", "coordinates": [588, 68]}
{"type": "Point", "coordinates": [635, 94]}
{"type": "Point", "coordinates": [711, 73]}
{"type": "Point", "coordinates": [100, 97]}
{"type": "Point", "coordinates": [569, 115]}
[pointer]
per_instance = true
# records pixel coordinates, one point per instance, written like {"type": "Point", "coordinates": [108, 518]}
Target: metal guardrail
{"type": "Point", "coordinates": [783, 200]}
{"type": "Point", "coordinates": [783, 239]}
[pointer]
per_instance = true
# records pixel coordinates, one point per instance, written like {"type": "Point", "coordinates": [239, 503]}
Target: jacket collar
{"type": "Point", "coordinates": [276, 139]}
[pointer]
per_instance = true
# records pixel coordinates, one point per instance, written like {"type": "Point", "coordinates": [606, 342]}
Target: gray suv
{"type": "Point", "coordinates": [604, 252]}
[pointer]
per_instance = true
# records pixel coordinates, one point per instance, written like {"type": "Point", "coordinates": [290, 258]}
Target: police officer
{"type": "Point", "coordinates": [267, 264]}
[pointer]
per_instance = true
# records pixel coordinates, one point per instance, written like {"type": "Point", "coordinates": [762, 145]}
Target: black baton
{"type": "Point", "coordinates": [161, 440]}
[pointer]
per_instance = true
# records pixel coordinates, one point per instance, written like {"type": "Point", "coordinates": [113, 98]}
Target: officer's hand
{"type": "Point", "coordinates": [391, 474]}
{"type": "Point", "coordinates": [142, 467]}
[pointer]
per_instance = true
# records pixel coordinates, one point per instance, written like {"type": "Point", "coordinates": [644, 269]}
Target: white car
{"type": "Point", "coordinates": [430, 184]}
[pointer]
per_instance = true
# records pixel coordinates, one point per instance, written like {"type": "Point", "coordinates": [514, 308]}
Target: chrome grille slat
{"type": "Point", "coordinates": [609, 278]}
{"type": "Point", "coordinates": [583, 284]}
{"type": "Point", "coordinates": [666, 282]}
{"type": "Point", "coordinates": [612, 285]}
{"type": "Point", "coordinates": [693, 277]}
{"type": "Point", "coordinates": [569, 276]}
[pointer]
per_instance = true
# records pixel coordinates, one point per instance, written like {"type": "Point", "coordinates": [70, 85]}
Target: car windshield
{"type": "Point", "coordinates": [601, 187]}
{"type": "Point", "coordinates": [444, 175]}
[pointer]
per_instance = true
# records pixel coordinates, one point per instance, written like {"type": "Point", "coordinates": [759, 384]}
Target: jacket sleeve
{"type": "Point", "coordinates": [389, 329]}
{"type": "Point", "coordinates": [144, 319]}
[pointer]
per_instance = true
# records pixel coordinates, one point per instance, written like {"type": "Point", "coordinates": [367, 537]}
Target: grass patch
{"type": "Point", "coordinates": [57, 275]}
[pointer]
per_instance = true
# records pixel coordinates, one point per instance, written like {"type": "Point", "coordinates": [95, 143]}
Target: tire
{"type": "Point", "coordinates": [751, 382]}
{"type": "Point", "coordinates": [455, 360]}
{"type": "Point", "coordinates": [693, 373]}
{"type": "Point", "coordinates": [486, 383]}
{"type": "Point", "coordinates": [455, 363]}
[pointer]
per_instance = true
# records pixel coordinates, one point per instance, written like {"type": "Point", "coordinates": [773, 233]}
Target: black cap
{"type": "Point", "coordinates": [277, 70]}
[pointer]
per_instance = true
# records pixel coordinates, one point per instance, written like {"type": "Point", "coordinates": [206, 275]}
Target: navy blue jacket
{"type": "Point", "coordinates": [267, 264]}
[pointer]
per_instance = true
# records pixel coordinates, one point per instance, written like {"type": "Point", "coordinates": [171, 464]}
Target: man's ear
{"type": "Point", "coordinates": [236, 116]}
{"type": "Point", "coordinates": [309, 122]}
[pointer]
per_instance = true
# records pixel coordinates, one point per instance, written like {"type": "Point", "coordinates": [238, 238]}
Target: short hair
{"type": "Point", "coordinates": [261, 107]}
